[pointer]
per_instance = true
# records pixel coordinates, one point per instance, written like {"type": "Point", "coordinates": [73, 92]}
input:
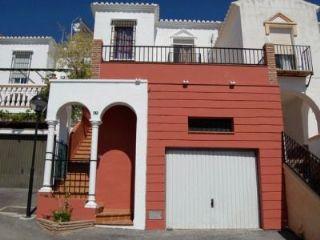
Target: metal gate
{"type": "Point", "coordinates": [15, 160]}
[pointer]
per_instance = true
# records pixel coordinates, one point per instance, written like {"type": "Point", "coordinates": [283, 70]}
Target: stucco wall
{"type": "Point", "coordinates": [145, 29]}
{"type": "Point", "coordinates": [254, 104]}
{"type": "Point", "coordinates": [202, 37]}
{"type": "Point", "coordinates": [253, 16]}
{"type": "Point", "coordinates": [231, 33]}
{"type": "Point", "coordinates": [292, 117]}
{"type": "Point", "coordinates": [41, 58]}
{"type": "Point", "coordinates": [303, 207]}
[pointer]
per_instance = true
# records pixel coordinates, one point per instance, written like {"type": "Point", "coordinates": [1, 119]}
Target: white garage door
{"type": "Point", "coordinates": [211, 189]}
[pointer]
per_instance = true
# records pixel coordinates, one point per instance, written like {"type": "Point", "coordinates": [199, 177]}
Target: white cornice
{"type": "Point", "coordinates": [100, 81]}
{"type": "Point", "coordinates": [26, 40]}
{"type": "Point", "coordinates": [188, 23]}
{"type": "Point", "coordinates": [125, 7]}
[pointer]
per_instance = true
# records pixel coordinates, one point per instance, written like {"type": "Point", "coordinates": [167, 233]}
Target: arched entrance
{"type": "Point", "coordinates": [116, 160]}
{"type": "Point", "coordinates": [301, 119]}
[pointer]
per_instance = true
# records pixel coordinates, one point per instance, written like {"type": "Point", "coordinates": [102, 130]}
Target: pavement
{"type": "Point", "coordinates": [13, 226]}
{"type": "Point", "coordinates": [13, 201]}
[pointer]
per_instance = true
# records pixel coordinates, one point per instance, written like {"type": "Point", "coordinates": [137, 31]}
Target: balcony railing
{"type": "Point", "coordinates": [293, 60]}
{"type": "Point", "coordinates": [184, 55]}
{"type": "Point", "coordinates": [18, 95]}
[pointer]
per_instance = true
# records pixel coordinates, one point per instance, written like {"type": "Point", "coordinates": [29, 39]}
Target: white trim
{"type": "Point", "coordinates": [24, 131]}
{"type": "Point", "coordinates": [106, 81]}
{"type": "Point", "coordinates": [27, 40]}
{"type": "Point", "coordinates": [98, 95]}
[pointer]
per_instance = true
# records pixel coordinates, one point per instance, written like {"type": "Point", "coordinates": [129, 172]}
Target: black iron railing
{"type": "Point", "coordinates": [69, 176]}
{"type": "Point", "coordinates": [293, 58]}
{"type": "Point", "coordinates": [75, 180]}
{"type": "Point", "coordinates": [187, 55]}
{"type": "Point", "coordinates": [305, 164]}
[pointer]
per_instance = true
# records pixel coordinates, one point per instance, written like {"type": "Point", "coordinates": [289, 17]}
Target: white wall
{"type": "Point", "coordinates": [255, 13]}
{"type": "Point", "coordinates": [292, 110]}
{"type": "Point", "coordinates": [231, 33]}
{"type": "Point", "coordinates": [202, 37]}
{"type": "Point", "coordinates": [41, 58]}
{"type": "Point", "coordinates": [145, 28]}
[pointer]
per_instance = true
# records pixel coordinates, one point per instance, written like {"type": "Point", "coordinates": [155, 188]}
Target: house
{"type": "Point", "coordinates": [183, 119]}
{"type": "Point", "coordinates": [25, 64]}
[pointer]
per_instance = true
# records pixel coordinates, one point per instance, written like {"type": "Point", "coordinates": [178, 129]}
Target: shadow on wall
{"type": "Point", "coordinates": [289, 235]}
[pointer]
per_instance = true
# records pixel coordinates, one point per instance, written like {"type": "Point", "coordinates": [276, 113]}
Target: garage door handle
{"type": "Point", "coordinates": [212, 203]}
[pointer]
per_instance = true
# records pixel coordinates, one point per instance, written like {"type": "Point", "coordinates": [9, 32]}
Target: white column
{"type": "Point", "coordinates": [91, 203]}
{"type": "Point", "coordinates": [48, 160]}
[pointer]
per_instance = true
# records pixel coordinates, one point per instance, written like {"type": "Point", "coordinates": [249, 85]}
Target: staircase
{"type": "Point", "coordinates": [82, 152]}
{"type": "Point", "coordinates": [114, 217]}
{"type": "Point", "coordinates": [76, 181]}
{"type": "Point", "coordinates": [302, 189]}
{"type": "Point", "coordinates": [302, 162]}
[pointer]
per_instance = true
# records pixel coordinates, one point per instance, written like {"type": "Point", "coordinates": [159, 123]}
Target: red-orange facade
{"type": "Point", "coordinates": [254, 104]}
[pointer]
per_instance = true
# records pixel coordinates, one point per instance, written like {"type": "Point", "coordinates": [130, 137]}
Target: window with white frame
{"type": "Point", "coordinates": [20, 65]}
{"type": "Point", "coordinates": [123, 39]}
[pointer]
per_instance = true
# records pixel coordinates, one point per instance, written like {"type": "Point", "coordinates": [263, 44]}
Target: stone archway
{"type": "Point", "coordinates": [116, 162]}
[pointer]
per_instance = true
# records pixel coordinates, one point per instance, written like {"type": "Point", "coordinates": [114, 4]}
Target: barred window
{"type": "Point", "coordinates": [198, 124]}
{"type": "Point", "coordinates": [21, 60]}
{"type": "Point", "coordinates": [123, 39]}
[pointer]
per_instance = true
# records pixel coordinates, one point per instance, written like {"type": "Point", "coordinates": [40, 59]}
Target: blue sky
{"type": "Point", "coordinates": [49, 17]}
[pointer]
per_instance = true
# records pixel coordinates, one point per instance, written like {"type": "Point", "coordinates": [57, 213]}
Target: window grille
{"type": "Point", "coordinates": [123, 39]}
{"type": "Point", "coordinates": [20, 60]}
{"type": "Point", "coordinates": [210, 124]}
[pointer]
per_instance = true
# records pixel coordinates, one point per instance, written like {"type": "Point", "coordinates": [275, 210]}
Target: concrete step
{"type": "Point", "coordinates": [102, 221]}
{"type": "Point", "coordinates": [121, 217]}
{"type": "Point", "coordinates": [82, 152]}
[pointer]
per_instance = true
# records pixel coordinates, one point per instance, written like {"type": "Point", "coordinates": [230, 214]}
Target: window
{"type": "Point", "coordinates": [123, 39]}
{"type": "Point", "coordinates": [20, 60]}
{"type": "Point", "coordinates": [285, 61]}
{"type": "Point", "coordinates": [184, 51]}
{"type": "Point", "coordinates": [224, 125]}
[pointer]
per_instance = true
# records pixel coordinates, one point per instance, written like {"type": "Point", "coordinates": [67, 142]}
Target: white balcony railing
{"type": "Point", "coordinates": [18, 95]}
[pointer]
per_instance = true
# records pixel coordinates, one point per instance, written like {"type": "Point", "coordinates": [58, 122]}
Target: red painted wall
{"type": "Point", "coordinates": [254, 104]}
{"type": "Point", "coordinates": [115, 172]}
{"type": "Point", "coordinates": [47, 203]}
{"type": "Point", "coordinates": [79, 132]}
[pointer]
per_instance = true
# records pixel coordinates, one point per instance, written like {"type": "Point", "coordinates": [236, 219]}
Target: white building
{"type": "Point", "coordinates": [294, 23]}
{"type": "Point", "coordinates": [31, 57]}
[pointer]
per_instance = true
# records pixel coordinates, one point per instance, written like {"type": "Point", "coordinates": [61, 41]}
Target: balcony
{"type": "Point", "coordinates": [16, 97]}
{"type": "Point", "coordinates": [293, 60]}
{"type": "Point", "coordinates": [183, 55]}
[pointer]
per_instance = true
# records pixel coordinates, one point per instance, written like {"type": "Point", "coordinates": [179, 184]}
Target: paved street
{"type": "Point", "coordinates": [12, 228]}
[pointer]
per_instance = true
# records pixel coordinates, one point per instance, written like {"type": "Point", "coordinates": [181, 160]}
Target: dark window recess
{"type": "Point", "coordinates": [210, 124]}
{"type": "Point", "coordinates": [123, 39]}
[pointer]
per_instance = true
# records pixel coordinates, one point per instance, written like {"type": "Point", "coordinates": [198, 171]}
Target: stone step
{"type": "Point", "coordinates": [84, 148]}
{"type": "Point", "coordinates": [102, 221]}
{"type": "Point", "coordinates": [121, 217]}
{"type": "Point", "coordinates": [81, 151]}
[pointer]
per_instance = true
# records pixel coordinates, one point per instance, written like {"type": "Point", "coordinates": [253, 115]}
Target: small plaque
{"type": "Point", "coordinates": [155, 215]}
